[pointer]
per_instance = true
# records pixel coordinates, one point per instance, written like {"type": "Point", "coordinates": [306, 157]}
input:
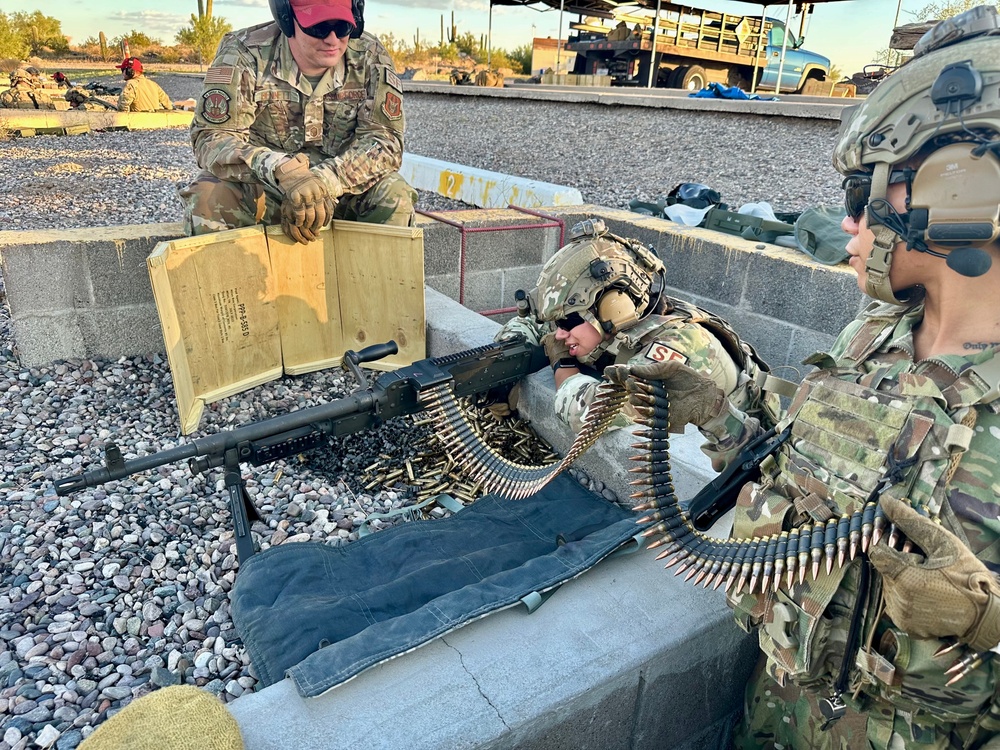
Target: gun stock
{"type": "Point", "coordinates": [392, 394]}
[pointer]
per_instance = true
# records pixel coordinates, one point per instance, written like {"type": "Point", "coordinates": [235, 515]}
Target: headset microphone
{"type": "Point", "coordinates": [969, 261]}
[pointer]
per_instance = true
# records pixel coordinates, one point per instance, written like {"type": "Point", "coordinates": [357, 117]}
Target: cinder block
{"type": "Point", "coordinates": [42, 276]}
{"type": "Point", "coordinates": [787, 285]}
{"type": "Point", "coordinates": [46, 338]}
{"type": "Point", "coordinates": [121, 331]}
{"type": "Point", "coordinates": [446, 284]}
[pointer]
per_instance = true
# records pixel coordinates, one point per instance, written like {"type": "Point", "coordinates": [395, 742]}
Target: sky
{"type": "Point", "coordinates": [848, 32]}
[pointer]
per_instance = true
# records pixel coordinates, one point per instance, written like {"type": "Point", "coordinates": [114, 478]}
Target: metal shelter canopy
{"type": "Point", "coordinates": [606, 8]}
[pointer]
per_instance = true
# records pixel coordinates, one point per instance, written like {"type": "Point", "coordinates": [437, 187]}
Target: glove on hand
{"type": "Point", "coordinates": [555, 349]}
{"type": "Point", "coordinates": [945, 592]}
{"type": "Point", "coordinates": [694, 398]}
{"type": "Point", "coordinates": [307, 206]}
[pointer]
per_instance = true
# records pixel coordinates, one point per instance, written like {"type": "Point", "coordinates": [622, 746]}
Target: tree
{"type": "Point", "coordinates": [522, 56]}
{"type": "Point", "coordinates": [11, 43]}
{"type": "Point", "coordinates": [204, 34]}
{"type": "Point", "coordinates": [38, 31]}
{"type": "Point", "coordinates": [467, 43]}
{"type": "Point", "coordinates": [944, 9]}
{"type": "Point", "coordinates": [136, 40]}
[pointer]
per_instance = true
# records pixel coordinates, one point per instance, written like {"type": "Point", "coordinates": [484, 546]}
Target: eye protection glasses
{"type": "Point", "coordinates": [858, 190]}
{"type": "Point", "coordinates": [570, 322]}
{"type": "Point", "coordinates": [322, 30]}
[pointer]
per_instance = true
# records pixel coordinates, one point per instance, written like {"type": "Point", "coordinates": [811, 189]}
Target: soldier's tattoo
{"type": "Point", "coordinates": [980, 345]}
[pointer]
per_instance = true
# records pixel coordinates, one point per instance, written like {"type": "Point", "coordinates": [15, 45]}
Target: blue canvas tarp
{"type": "Point", "coordinates": [322, 614]}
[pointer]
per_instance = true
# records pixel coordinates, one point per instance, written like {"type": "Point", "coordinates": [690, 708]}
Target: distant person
{"type": "Point", "coordinates": [61, 80]}
{"type": "Point", "coordinates": [300, 121]}
{"type": "Point", "coordinates": [140, 94]}
{"type": "Point", "coordinates": [619, 33]}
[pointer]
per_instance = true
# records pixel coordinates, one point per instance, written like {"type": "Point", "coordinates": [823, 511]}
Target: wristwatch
{"type": "Point", "coordinates": [565, 362]}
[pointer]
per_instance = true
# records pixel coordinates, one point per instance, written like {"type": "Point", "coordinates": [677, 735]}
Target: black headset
{"type": "Point", "coordinates": [281, 11]}
{"type": "Point", "coordinates": [953, 199]}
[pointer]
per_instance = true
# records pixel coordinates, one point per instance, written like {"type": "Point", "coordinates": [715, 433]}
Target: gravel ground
{"type": "Point", "coordinates": [113, 592]}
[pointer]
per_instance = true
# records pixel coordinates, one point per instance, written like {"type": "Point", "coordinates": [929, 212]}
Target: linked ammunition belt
{"type": "Point", "coordinates": [755, 562]}
{"type": "Point", "coordinates": [502, 475]}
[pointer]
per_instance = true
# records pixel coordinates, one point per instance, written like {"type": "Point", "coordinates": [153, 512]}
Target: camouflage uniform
{"type": "Point", "coordinates": [25, 92]}
{"type": "Point", "coordinates": [140, 94]}
{"type": "Point", "coordinates": [937, 418]}
{"type": "Point", "coordinates": [257, 108]}
{"type": "Point", "coordinates": [686, 333]}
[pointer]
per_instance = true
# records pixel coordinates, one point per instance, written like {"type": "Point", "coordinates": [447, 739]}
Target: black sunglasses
{"type": "Point", "coordinates": [570, 322]}
{"type": "Point", "coordinates": [858, 190]}
{"type": "Point", "coordinates": [322, 30]}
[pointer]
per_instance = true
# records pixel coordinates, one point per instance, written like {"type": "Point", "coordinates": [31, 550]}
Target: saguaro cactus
{"type": "Point", "coordinates": [104, 46]}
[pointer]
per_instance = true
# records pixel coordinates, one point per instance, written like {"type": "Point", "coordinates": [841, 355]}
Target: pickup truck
{"type": "Point", "coordinates": [693, 48]}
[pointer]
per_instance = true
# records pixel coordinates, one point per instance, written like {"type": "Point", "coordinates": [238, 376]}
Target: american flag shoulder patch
{"type": "Point", "coordinates": [223, 75]}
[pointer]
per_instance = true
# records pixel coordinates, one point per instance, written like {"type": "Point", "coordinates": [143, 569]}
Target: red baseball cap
{"type": "Point", "coordinates": [311, 12]}
{"type": "Point", "coordinates": [131, 63]}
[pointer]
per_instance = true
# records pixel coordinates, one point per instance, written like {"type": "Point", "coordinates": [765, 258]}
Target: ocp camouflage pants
{"type": "Point", "coordinates": [214, 205]}
{"type": "Point", "coordinates": [789, 718]}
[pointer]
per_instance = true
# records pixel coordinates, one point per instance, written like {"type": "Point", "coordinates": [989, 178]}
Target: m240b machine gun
{"type": "Point", "coordinates": [391, 394]}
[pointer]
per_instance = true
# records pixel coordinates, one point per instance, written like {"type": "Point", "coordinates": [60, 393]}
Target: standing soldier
{"type": "Point", "coordinates": [140, 94]}
{"type": "Point", "coordinates": [895, 648]}
{"type": "Point", "coordinates": [300, 121]}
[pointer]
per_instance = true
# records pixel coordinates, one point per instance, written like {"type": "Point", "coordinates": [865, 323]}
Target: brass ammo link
{"type": "Point", "coordinates": [756, 563]}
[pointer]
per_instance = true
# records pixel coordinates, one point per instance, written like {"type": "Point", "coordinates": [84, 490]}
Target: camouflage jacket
{"type": "Point", "coordinates": [140, 94]}
{"type": "Point", "coordinates": [257, 107]}
{"type": "Point", "coordinates": [688, 333]}
{"type": "Point", "coordinates": [940, 417]}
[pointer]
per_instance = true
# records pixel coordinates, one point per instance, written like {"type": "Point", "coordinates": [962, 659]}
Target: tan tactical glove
{"type": "Point", "coordinates": [556, 350]}
{"type": "Point", "coordinates": [944, 592]}
{"type": "Point", "coordinates": [694, 398]}
{"type": "Point", "coordinates": [307, 206]}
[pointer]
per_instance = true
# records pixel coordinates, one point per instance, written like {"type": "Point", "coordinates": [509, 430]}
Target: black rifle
{"type": "Point", "coordinates": [718, 496]}
{"type": "Point", "coordinates": [392, 394]}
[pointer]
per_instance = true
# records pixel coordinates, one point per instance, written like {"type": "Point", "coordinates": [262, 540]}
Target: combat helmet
{"type": "Point", "coordinates": [610, 282]}
{"type": "Point", "coordinates": [943, 107]}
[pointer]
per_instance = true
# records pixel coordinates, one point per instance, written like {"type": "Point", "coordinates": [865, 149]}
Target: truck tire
{"type": "Point", "coordinates": [676, 75]}
{"type": "Point", "coordinates": [694, 78]}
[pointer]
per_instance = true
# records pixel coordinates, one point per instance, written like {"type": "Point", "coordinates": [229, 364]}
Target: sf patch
{"type": "Point", "coordinates": [392, 107]}
{"type": "Point", "coordinates": [393, 80]}
{"type": "Point", "coordinates": [215, 106]}
{"type": "Point", "coordinates": [660, 352]}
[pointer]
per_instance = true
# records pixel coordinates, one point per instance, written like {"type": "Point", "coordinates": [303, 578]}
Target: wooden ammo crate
{"type": "Point", "coordinates": [243, 307]}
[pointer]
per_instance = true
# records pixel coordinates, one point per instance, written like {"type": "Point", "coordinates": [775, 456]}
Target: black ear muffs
{"type": "Point", "coordinates": [281, 12]}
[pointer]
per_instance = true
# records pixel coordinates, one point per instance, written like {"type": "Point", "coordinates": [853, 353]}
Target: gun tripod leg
{"type": "Point", "coordinates": [242, 508]}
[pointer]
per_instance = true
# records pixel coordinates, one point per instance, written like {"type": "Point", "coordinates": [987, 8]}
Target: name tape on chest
{"type": "Point", "coordinates": [660, 352]}
{"type": "Point", "coordinates": [350, 95]}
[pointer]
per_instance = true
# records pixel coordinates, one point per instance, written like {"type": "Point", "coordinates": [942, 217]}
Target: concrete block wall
{"type": "Point", "coordinates": [86, 292]}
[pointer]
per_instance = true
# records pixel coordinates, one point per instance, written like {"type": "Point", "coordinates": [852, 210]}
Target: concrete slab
{"type": "Point", "coordinates": [17, 119]}
{"type": "Point", "coordinates": [820, 108]}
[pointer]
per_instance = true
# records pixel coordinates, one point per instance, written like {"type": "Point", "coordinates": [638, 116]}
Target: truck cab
{"type": "Point", "coordinates": [800, 64]}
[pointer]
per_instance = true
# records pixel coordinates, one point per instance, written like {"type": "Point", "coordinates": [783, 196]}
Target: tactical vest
{"type": "Point", "coordinates": [849, 427]}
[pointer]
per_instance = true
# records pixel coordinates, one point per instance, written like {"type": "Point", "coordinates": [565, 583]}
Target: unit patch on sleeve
{"type": "Point", "coordinates": [393, 80]}
{"type": "Point", "coordinates": [215, 106]}
{"type": "Point", "coordinates": [660, 352]}
{"type": "Point", "coordinates": [392, 107]}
